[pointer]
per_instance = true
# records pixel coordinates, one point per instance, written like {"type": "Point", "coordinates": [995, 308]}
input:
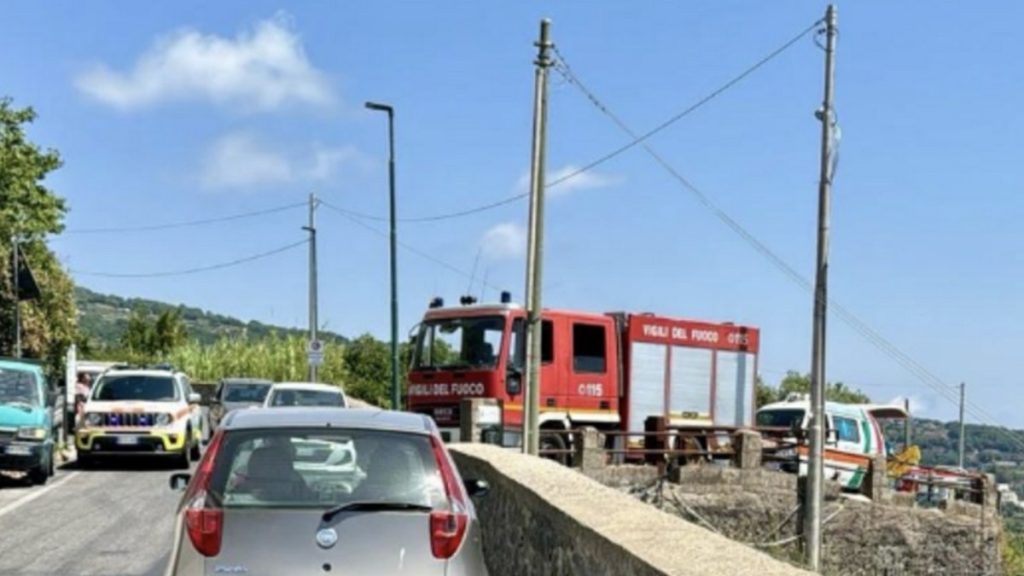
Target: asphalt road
{"type": "Point", "coordinates": [114, 520]}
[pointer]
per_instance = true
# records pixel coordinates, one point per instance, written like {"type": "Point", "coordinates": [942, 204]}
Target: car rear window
{"type": "Point", "coordinates": [306, 398]}
{"type": "Point", "coordinates": [321, 468]}
{"type": "Point", "coordinates": [246, 392]}
{"type": "Point", "coordinates": [145, 388]}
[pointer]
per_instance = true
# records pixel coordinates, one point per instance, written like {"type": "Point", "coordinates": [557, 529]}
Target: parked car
{"type": "Point", "coordinates": [26, 422]}
{"type": "Point", "coordinates": [141, 412]}
{"type": "Point", "coordinates": [254, 508]}
{"type": "Point", "coordinates": [305, 394]}
{"type": "Point", "coordinates": [237, 393]}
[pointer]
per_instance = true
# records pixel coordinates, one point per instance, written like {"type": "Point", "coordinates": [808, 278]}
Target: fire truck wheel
{"type": "Point", "coordinates": [554, 442]}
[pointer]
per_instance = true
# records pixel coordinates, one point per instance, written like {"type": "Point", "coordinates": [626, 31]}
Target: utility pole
{"type": "Point", "coordinates": [906, 423]}
{"type": "Point", "coordinates": [17, 296]}
{"type": "Point", "coordinates": [963, 428]}
{"type": "Point", "coordinates": [312, 281]}
{"type": "Point", "coordinates": [814, 493]}
{"type": "Point", "coordinates": [535, 244]}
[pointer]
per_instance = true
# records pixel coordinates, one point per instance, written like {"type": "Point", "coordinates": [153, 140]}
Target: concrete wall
{"type": "Point", "coordinates": [545, 519]}
{"type": "Point", "coordinates": [861, 538]}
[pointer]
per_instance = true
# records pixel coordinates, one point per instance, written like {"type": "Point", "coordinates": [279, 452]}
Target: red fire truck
{"type": "Point", "coordinates": [610, 370]}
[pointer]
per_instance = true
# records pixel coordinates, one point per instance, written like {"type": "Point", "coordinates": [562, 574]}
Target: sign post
{"type": "Point", "coordinates": [315, 353]}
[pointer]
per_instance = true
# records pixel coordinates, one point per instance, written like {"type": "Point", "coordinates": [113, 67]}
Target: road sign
{"type": "Point", "coordinates": [315, 352]}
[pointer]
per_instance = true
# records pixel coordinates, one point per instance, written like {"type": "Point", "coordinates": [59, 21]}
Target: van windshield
{"type": "Point", "coordinates": [787, 418]}
{"type": "Point", "coordinates": [18, 387]}
{"type": "Point", "coordinates": [460, 343]}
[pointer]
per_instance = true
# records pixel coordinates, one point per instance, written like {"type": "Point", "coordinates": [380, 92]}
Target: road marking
{"type": "Point", "coordinates": [18, 503]}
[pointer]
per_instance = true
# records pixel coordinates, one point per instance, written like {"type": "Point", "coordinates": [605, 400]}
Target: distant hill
{"type": "Point", "coordinates": [103, 319]}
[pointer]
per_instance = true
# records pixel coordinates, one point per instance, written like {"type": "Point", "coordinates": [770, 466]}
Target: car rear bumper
{"type": "Point", "coordinates": [130, 442]}
{"type": "Point", "coordinates": [22, 456]}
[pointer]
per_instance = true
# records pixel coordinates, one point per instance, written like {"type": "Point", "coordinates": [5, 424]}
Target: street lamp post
{"type": "Point", "coordinates": [395, 397]}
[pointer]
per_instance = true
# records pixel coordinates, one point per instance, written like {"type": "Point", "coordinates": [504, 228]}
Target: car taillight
{"type": "Point", "coordinates": [448, 527]}
{"type": "Point", "coordinates": [203, 519]}
{"type": "Point", "coordinates": [205, 526]}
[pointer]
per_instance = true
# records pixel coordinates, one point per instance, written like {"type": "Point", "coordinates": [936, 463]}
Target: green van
{"type": "Point", "coordinates": [26, 422]}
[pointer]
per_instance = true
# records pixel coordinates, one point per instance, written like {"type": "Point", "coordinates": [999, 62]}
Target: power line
{"type": "Point", "coordinates": [849, 318]}
{"type": "Point", "coordinates": [606, 157]}
{"type": "Point", "coordinates": [184, 224]}
{"type": "Point", "coordinates": [196, 270]}
{"type": "Point", "coordinates": [345, 214]}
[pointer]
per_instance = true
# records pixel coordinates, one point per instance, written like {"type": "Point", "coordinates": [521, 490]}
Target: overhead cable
{"type": "Point", "coordinates": [345, 213]}
{"type": "Point", "coordinates": [187, 271]}
{"type": "Point", "coordinates": [186, 223]}
{"type": "Point", "coordinates": [849, 318]}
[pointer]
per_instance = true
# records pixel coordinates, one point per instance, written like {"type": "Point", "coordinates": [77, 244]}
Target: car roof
{"type": "Point", "coordinates": [24, 365]}
{"type": "Point", "coordinates": [141, 372]}
{"type": "Point", "coordinates": [308, 386]}
{"type": "Point", "coordinates": [363, 418]}
{"type": "Point", "coordinates": [246, 381]}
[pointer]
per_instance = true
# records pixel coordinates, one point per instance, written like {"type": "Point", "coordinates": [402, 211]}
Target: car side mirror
{"type": "Point", "coordinates": [194, 398]}
{"type": "Point", "coordinates": [514, 382]}
{"type": "Point", "coordinates": [831, 436]}
{"type": "Point", "coordinates": [179, 481]}
{"type": "Point", "coordinates": [477, 488]}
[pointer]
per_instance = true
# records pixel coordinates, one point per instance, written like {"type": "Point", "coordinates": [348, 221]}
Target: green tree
{"type": "Point", "coordinates": [168, 333]}
{"type": "Point", "coordinates": [31, 211]}
{"type": "Point", "coordinates": [368, 362]}
{"type": "Point", "coordinates": [797, 383]}
{"type": "Point", "coordinates": [136, 337]}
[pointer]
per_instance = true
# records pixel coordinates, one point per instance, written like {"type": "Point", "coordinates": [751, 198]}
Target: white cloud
{"type": "Point", "coordinates": [503, 241]}
{"type": "Point", "coordinates": [242, 160]}
{"type": "Point", "coordinates": [569, 181]}
{"type": "Point", "coordinates": [260, 69]}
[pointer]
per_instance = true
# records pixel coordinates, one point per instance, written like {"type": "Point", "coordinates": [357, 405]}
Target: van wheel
{"type": "Point", "coordinates": [41, 474]}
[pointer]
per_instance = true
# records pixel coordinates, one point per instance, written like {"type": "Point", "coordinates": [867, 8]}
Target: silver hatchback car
{"type": "Point", "coordinates": [327, 491]}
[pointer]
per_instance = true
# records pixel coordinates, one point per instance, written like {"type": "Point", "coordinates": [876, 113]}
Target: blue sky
{"type": "Point", "coordinates": [189, 110]}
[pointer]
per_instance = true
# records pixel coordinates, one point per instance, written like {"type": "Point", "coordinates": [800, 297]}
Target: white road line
{"type": "Point", "coordinates": [18, 503]}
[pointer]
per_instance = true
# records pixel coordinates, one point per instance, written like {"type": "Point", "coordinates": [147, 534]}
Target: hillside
{"type": "Point", "coordinates": [103, 319]}
{"type": "Point", "coordinates": [989, 448]}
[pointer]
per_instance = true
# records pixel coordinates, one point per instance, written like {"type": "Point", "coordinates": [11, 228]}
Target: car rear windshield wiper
{"type": "Point", "coordinates": [374, 507]}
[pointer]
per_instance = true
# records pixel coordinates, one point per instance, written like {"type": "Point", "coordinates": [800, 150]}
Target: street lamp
{"type": "Point", "coordinates": [395, 398]}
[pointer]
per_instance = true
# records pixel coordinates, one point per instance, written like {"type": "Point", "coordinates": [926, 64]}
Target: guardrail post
{"type": "Point", "coordinates": [748, 448]}
{"type": "Point", "coordinates": [874, 481]}
{"type": "Point", "coordinates": [589, 450]}
{"type": "Point", "coordinates": [653, 443]}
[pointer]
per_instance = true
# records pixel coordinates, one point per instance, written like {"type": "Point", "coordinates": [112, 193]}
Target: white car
{"type": "Point", "coordinates": [305, 394]}
{"type": "Point", "coordinates": [141, 412]}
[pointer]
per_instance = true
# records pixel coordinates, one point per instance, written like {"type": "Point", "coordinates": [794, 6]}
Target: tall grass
{"type": "Point", "coordinates": [277, 358]}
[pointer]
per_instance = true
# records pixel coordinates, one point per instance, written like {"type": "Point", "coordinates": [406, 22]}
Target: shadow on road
{"type": "Point", "coordinates": [14, 481]}
{"type": "Point", "coordinates": [125, 464]}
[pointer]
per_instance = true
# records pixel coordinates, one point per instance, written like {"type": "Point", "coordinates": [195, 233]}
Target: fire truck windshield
{"type": "Point", "coordinates": [460, 343]}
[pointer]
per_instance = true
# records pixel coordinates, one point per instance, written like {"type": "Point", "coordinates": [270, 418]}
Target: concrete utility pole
{"type": "Point", "coordinates": [17, 296]}
{"type": "Point", "coordinates": [396, 397]}
{"type": "Point", "coordinates": [906, 423]}
{"type": "Point", "coordinates": [814, 494]}
{"type": "Point", "coordinates": [963, 428]}
{"type": "Point", "coordinates": [312, 281]}
{"type": "Point", "coordinates": [535, 245]}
